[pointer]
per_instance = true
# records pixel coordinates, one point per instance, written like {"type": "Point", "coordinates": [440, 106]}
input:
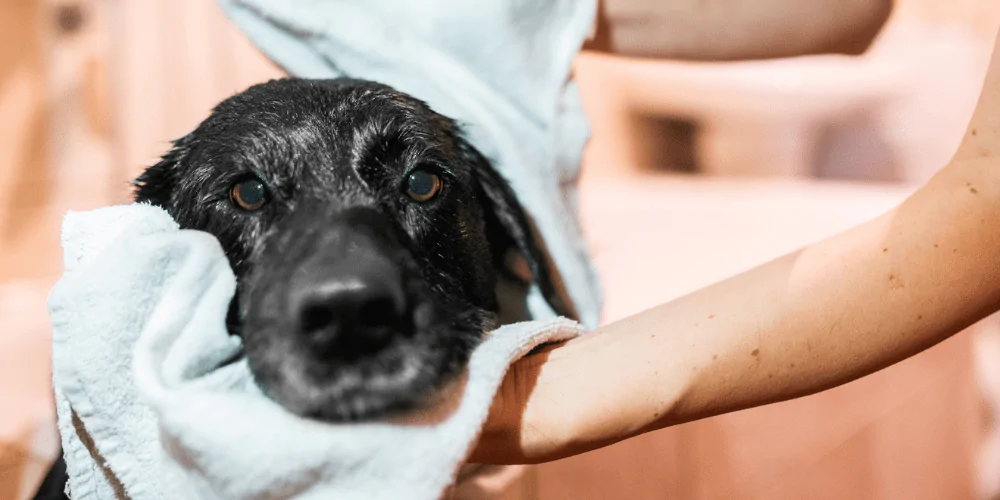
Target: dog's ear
{"type": "Point", "coordinates": [508, 228]}
{"type": "Point", "coordinates": [156, 183]}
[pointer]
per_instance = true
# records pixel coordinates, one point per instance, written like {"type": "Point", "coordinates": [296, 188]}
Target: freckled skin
{"type": "Point", "coordinates": [336, 158]}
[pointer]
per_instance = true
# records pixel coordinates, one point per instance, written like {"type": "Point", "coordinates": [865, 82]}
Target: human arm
{"type": "Point", "coordinates": [737, 29]}
{"type": "Point", "coordinates": [820, 317]}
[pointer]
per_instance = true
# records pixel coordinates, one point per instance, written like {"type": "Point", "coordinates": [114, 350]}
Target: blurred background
{"type": "Point", "coordinates": [695, 171]}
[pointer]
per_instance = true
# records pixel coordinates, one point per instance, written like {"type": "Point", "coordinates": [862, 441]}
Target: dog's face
{"type": "Point", "coordinates": [366, 235]}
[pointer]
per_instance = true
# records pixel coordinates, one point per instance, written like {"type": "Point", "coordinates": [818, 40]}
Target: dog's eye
{"type": "Point", "coordinates": [250, 194]}
{"type": "Point", "coordinates": [422, 185]}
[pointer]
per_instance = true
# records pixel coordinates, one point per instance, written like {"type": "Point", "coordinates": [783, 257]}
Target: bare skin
{"type": "Point", "coordinates": [825, 315]}
{"type": "Point", "coordinates": [735, 29]}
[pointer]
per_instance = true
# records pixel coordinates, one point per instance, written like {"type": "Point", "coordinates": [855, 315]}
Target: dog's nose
{"type": "Point", "coordinates": [352, 313]}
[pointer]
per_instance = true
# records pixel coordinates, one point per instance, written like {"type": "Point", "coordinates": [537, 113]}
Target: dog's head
{"type": "Point", "coordinates": [367, 237]}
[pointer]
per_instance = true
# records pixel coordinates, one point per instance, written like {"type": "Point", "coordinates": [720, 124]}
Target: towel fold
{"type": "Point", "coordinates": [154, 400]}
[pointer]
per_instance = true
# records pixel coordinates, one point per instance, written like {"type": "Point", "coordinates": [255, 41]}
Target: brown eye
{"type": "Point", "coordinates": [422, 185]}
{"type": "Point", "coordinates": [250, 194]}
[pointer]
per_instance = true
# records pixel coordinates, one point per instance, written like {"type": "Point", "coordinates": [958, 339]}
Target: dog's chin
{"type": "Point", "coordinates": [354, 395]}
{"type": "Point", "coordinates": [406, 378]}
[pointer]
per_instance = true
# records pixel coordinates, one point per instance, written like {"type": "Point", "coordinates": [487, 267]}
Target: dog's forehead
{"type": "Point", "coordinates": [341, 108]}
{"type": "Point", "coordinates": [302, 127]}
{"type": "Point", "coordinates": [331, 120]}
{"type": "Point", "coordinates": [325, 138]}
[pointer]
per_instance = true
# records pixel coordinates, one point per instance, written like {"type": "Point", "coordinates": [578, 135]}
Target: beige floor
{"type": "Point", "coordinates": [27, 430]}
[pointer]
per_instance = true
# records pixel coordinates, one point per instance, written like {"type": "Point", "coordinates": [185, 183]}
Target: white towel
{"type": "Point", "coordinates": [154, 401]}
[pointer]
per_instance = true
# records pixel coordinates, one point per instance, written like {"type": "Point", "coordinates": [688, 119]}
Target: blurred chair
{"type": "Point", "coordinates": [895, 113]}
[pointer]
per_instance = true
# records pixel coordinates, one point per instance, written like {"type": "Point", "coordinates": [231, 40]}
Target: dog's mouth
{"type": "Point", "coordinates": [403, 375]}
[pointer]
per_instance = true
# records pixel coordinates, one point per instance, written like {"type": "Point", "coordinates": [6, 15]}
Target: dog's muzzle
{"type": "Point", "coordinates": [349, 300]}
{"type": "Point", "coordinates": [346, 294]}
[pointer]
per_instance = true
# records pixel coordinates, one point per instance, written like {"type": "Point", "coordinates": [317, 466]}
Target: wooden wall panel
{"type": "Point", "coordinates": [25, 168]}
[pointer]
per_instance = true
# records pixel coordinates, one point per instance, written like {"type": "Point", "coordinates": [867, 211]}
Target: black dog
{"type": "Point", "coordinates": [367, 236]}
{"type": "Point", "coordinates": [368, 239]}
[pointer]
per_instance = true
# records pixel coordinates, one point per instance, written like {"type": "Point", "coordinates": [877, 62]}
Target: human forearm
{"type": "Point", "coordinates": [831, 313]}
{"type": "Point", "coordinates": [846, 306]}
{"type": "Point", "coordinates": [729, 29]}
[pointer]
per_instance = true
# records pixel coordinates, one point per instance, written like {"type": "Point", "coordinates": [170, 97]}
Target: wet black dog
{"type": "Point", "coordinates": [366, 234]}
